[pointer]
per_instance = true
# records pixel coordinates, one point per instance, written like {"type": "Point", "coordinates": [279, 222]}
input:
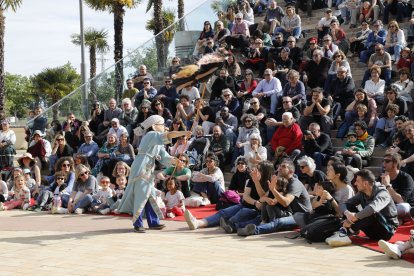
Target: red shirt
{"type": "Point", "coordinates": [288, 137]}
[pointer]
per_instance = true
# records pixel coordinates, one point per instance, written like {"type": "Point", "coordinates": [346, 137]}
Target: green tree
{"type": "Point", "coordinates": [4, 5]}
{"type": "Point", "coordinates": [55, 83]}
{"type": "Point", "coordinates": [148, 56]}
{"type": "Point", "coordinates": [18, 94]}
{"type": "Point", "coordinates": [117, 8]}
{"type": "Point", "coordinates": [222, 5]}
{"type": "Point", "coordinates": [96, 40]}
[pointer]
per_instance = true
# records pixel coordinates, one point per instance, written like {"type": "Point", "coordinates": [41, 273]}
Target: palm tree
{"type": "Point", "coordinates": [157, 25]}
{"type": "Point", "coordinates": [181, 15]}
{"type": "Point", "coordinates": [4, 5]}
{"type": "Point", "coordinates": [97, 42]}
{"type": "Point", "coordinates": [163, 40]}
{"type": "Point", "coordinates": [55, 83]}
{"type": "Point", "coordinates": [117, 8]}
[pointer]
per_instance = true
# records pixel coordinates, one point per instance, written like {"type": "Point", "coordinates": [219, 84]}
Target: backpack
{"type": "Point", "coordinates": [227, 199]}
{"type": "Point", "coordinates": [320, 228]}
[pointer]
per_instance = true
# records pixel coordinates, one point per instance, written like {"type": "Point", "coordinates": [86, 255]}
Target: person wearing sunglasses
{"type": "Point", "coordinates": [128, 115]}
{"type": "Point", "coordinates": [399, 184]}
{"type": "Point", "coordinates": [45, 198]}
{"type": "Point", "coordinates": [395, 40]}
{"type": "Point", "coordinates": [309, 175]}
{"type": "Point", "coordinates": [148, 92]}
{"type": "Point", "coordinates": [249, 127]}
{"type": "Point", "coordinates": [377, 35]}
{"type": "Point", "coordinates": [169, 94]}
{"type": "Point", "coordinates": [85, 186]}
{"type": "Point", "coordinates": [60, 149]}
{"type": "Point", "coordinates": [239, 33]}
{"type": "Point", "coordinates": [106, 156]}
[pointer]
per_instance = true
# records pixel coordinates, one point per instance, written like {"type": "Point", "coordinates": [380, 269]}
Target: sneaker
{"type": "Point", "coordinates": [226, 226]}
{"type": "Point", "coordinates": [191, 220]}
{"type": "Point", "coordinates": [157, 227]}
{"type": "Point", "coordinates": [79, 211]}
{"type": "Point", "coordinates": [116, 211]}
{"type": "Point", "coordinates": [170, 215]}
{"type": "Point", "coordinates": [61, 210]}
{"type": "Point", "coordinates": [104, 211]}
{"type": "Point", "coordinates": [249, 230]}
{"type": "Point", "coordinates": [391, 250]}
{"type": "Point", "coordinates": [25, 206]}
{"type": "Point", "coordinates": [37, 209]}
{"type": "Point", "coordinates": [338, 239]}
{"type": "Point", "coordinates": [205, 201]}
{"type": "Point", "coordinates": [139, 229]}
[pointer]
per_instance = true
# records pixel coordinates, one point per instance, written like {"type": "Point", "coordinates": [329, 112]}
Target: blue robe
{"type": "Point", "coordinates": [140, 187]}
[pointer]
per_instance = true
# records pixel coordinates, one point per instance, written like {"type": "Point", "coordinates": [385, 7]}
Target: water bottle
{"type": "Point", "coordinates": [57, 202]}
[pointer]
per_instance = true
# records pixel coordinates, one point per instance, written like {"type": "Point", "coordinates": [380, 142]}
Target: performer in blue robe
{"type": "Point", "coordinates": [140, 192]}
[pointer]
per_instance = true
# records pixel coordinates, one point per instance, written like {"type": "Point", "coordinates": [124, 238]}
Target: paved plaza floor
{"type": "Point", "coordinates": [44, 244]}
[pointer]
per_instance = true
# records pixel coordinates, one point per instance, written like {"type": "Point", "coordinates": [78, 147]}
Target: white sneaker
{"type": "Point", "coordinates": [205, 201]}
{"type": "Point", "coordinates": [391, 250]}
{"type": "Point", "coordinates": [116, 211]}
{"type": "Point", "coordinates": [25, 206]}
{"type": "Point", "coordinates": [170, 215]}
{"type": "Point", "coordinates": [79, 211]}
{"type": "Point", "coordinates": [191, 220]}
{"type": "Point", "coordinates": [61, 210]}
{"type": "Point", "coordinates": [338, 239]}
{"type": "Point", "coordinates": [104, 211]}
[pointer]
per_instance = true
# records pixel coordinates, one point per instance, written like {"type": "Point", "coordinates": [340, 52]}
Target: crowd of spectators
{"type": "Point", "coordinates": [268, 121]}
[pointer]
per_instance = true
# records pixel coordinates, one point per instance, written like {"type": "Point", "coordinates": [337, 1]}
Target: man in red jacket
{"type": "Point", "coordinates": [287, 139]}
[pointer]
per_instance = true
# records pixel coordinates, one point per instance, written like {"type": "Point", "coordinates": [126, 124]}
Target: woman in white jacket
{"type": "Point", "coordinates": [395, 40]}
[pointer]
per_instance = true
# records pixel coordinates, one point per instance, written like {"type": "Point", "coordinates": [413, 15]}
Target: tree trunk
{"type": "Point", "coordinates": [2, 88]}
{"type": "Point", "coordinates": [159, 40]}
{"type": "Point", "coordinates": [180, 15]}
{"type": "Point", "coordinates": [55, 111]}
{"type": "Point", "coordinates": [119, 13]}
{"type": "Point", "coordinates": [92, 71]}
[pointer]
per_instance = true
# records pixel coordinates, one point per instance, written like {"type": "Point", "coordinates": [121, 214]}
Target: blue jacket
{"type": "Point", "coordinates": [373, 39]}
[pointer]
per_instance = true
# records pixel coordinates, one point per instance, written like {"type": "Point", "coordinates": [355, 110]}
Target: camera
{"type": "Point", "coordinates": [307, 132]}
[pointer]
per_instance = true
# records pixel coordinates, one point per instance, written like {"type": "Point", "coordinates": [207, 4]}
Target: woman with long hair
{"type": "Point", "coordinates": [85, 186]}
{"type": "Point", "coordinates": [395, 40]}
{"type": "Point", "coordinates": [60, 149]}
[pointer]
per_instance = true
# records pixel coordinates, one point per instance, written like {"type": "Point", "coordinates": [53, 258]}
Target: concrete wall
{"type": "Point", "coordinates": [20, 134]}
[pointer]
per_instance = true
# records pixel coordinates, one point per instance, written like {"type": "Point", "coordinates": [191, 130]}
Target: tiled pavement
{"type": "Point", "coordinates": [40, 244]}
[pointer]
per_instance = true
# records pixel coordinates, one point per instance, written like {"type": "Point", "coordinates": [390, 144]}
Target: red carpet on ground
{"type": "Point", "coordinates": [199, 212]}
{"type": "Point", "coordinates": [402, 234]}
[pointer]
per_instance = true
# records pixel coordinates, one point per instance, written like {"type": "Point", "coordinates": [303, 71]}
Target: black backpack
{"type": "Point", "coordinates": [320, 228]}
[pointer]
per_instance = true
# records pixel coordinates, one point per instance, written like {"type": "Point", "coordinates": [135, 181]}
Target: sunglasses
{"type": "Point", "coordinates": [60, 178]}
{"type": "Point", "coordinates": [146, 83]}
{"type": "Point", "coordinates": [226, 96]}
{"type": "Point", "coordinates": [241, 163]}
{"type": "Point", "coordinates": [377, 50]}
{"type": "Point", "coordinates": [83, 174]}
{"type": "Point", "coordinates": [183, 160]}
{"type": "Point", "coordinates": [312, 43]}
{"type": "Point", "coordinates": [65, 165]}
{"type": "Point", "coordinates": [287, 101]}
{"type": "Point", "coordinates": [238, 19]}
{"type": "Point", "coordinates": [157, 104]}
{"type": "Point", "coordinates": [266, 75]}
{"type": "Point", "coordinates": [302, 167]}
{"type": "Point", "coordinates": [209, 161]}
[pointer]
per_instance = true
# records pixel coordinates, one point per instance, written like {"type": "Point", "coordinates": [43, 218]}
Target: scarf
{"type": "Point", "coordinates": [363, 137]}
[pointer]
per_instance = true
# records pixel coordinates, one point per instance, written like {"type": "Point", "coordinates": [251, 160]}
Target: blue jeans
{"type": "Point", "coordinates": [151, 216]}
{"type": "Point", "coordinates": [212, 189]}
{"type": "Point", "coordinates": [285, 223]}
{"type": "Point", "coordinates": [350, 118]}
{"type": "Point", "coordinates": [396, 50]}
{"type": "Point", "coordinates": [365, 54]}
{"type": "Point", "coordinates": [270, 130]}
{"type": "Point", "coordinates": [295, 32]}
{"type": "Point", "coordinates": [235, 214]}
{"type": "Point", "coordinates": [85, 202]}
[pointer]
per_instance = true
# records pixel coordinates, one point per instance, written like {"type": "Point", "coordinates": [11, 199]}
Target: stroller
{"type": "Point", "coordinates": [197, 151]}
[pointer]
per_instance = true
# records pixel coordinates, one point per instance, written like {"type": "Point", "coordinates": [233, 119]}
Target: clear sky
{"type": "Point", "coordinates": [38, 34]}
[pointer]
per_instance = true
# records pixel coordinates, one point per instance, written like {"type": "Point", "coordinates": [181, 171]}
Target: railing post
{"type": "Point", "coordinates": [83, 66]}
